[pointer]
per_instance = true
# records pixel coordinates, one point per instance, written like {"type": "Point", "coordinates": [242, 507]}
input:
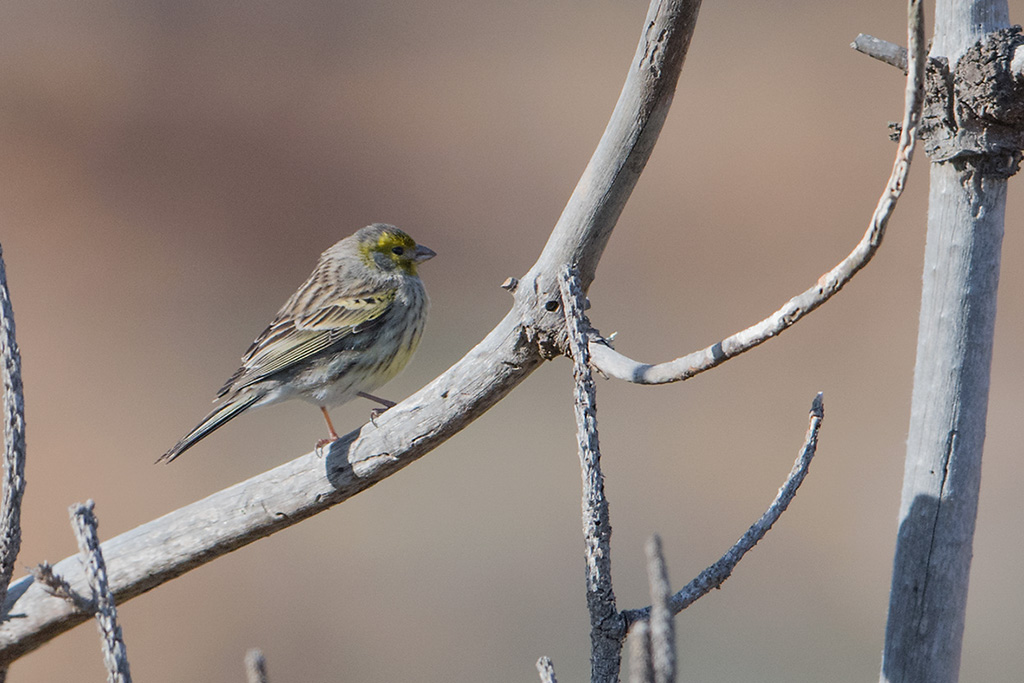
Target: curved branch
{"type": "Point", "coordinates": [614, 364]}
{"type": "Point", "coordinates": [143, 558]}
{"type": "Point", "coordinates": [586, 223]}
{"type": "Point", "coordinates": [715, 575]}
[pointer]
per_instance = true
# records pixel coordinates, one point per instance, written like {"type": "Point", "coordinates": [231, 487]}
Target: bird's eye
{"type": "Point", "coordinates": [397, 251]}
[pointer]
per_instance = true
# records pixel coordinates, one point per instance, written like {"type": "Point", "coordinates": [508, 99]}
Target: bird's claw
{"type": "Point", "coordinates": [319, 450]}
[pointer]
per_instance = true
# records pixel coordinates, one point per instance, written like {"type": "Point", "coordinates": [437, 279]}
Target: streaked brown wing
{"type": "Point", "coordinates": [288, 342]}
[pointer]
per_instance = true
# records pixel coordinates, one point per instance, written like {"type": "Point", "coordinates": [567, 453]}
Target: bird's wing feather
{"type": "Point", "coordinates": [289, 341]}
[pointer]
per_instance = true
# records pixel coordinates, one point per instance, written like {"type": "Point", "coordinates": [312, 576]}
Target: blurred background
{"type": "Point", "coordinates": [172, 170]}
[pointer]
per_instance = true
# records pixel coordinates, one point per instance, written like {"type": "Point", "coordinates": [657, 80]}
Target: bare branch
{"type": "Point", "coordinates": [952, 374]}
{"type": "Point", "coordinates": [614, 364]}
{"type": "Point", "coordinates": [255, 667]}
{"type": "Point", "coordinates": [605, 622]}
{"type": "Point", "coordinates": [882, 50]}
{"type": "Point", "coordinates": [641, 668]}
{"type": "Point", "coordinates": [115, 656]}
{"type": "Point", "coordinates": [715, 575]}
{"type": "Point", "coordinates": [14, 438]}
{"type": "Point", "coordinates": [160, 550]}
{"type": "Point", "coordinates": [663, 634]}
{"type": "Point", "coordinates": [583, 229]}
{"type": "Point", "coordinates": [652, 648]}
{"type": "Point", "coordinates": [546, 670]}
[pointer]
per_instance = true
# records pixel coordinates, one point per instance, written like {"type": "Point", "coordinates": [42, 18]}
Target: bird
{"type": "Point", "coordinates": [351, 327]}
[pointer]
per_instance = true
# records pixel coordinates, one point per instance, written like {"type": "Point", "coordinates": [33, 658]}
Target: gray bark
{"type": "Point", "coordinates": [951, 383]}
{"type": "Point", "coordinates": [14, 438]}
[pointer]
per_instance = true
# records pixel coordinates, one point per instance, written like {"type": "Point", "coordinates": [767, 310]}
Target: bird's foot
{"type": "Point", "coordinates": [375, 413]}
{"type": "Point", "coordinates": [322, 443]}
{"type": "Point", "coordinates": [330, 430]}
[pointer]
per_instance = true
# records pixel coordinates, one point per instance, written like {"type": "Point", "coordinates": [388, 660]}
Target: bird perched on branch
{"type": "Point", "coordinates": [351, 327]}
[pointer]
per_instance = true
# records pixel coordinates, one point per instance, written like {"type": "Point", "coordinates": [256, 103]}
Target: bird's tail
{"type": "Point", "coordinates": [215, 419]}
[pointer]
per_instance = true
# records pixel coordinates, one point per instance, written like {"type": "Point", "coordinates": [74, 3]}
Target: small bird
{"type": "Point", "coordinates": [351, 327]}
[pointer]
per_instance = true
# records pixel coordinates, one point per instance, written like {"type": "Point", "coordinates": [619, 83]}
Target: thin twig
{"type": "Point", "coordinates": [255, 667]}
{"type": "Point", "coordinates": [546, 670]}
{"type": "Point", "coordinates": [882, 50]}
{"type": "Point", "coordinates": [14, 438]}
{"type": "Point", "coordinates": [606, 644]}
{"type": "Point", "coordinates": [115, 656]}
{"type": "Point", "coordinates": [716, 574]}
{"type": "Point", "coordinates": [652, 643]}
{"type": "Point", "coordinates": [641, 666]}
{"type": "Point", "coordinates": [614, 364]}
{"type": "Point", "coordinates": [663, 635]}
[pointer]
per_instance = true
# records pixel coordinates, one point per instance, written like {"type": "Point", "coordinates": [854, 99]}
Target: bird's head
{"type": "Point", "coordinates": [389, 249]}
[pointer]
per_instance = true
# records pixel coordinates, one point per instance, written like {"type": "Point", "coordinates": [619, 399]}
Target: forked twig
{"type": "Point", "coordinates": [715, 575]}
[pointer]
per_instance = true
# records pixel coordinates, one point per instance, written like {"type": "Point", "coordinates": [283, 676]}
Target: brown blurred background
{"type": "Point", "coordinates": [171, 170]}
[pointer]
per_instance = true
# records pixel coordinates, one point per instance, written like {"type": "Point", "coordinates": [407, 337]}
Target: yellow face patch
{"type": "Point", "coordinates": [394, 246]}
{"type": "Point", "coordinates": [397, 242]}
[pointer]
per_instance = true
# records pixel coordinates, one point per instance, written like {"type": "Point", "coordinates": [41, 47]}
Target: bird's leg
{"type": "Point", "coordinates": [330, 425]}
{"type": "Point", "coordinates": [377, 412]}
{"type": "Point", "coordinates": [330, 428]}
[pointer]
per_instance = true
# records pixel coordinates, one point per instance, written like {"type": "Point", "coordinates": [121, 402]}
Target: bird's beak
{"type": "Point", "coordinates": [423, 253]}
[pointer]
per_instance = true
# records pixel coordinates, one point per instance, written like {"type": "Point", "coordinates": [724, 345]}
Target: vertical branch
{"type": "Point", "coordinates": [546, 670]}
{"type": "Point", "coordinates": [942, 473]}
{"type": "Point", "coordinates": [255, 667]}
{"type": "Point", "coordinates": [663, 634]}
{"type": "Point", "coordinates": [641, 668]}
{"type": "Point", "coordinates": [14, 438]}
{"type": "Point", "coordinates": [606, 624]}
{"type": "Point", "coordinates": [115, 656]}
{"type": "Point", "coordinates": [652, 647]}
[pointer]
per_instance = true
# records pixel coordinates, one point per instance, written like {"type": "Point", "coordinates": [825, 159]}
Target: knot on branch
{"type": "Point", "coordinates": [549, 342]}
{"type": "Point", "coordinates": [975, 113]}
{"type": "Point", "coordinates": [542, 311]}
{"type": "Point", "coordinates": [542, 326]}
